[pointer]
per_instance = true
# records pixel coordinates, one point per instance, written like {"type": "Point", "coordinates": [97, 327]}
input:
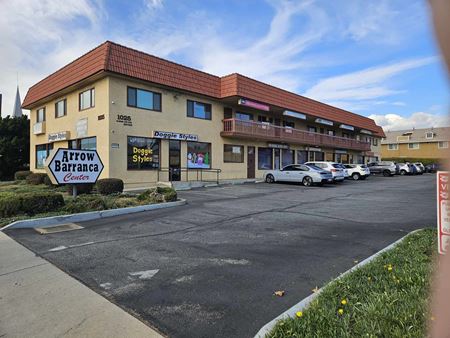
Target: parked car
{"type": "Point", "coordinates": [431, 168]}
{"type": "Point", "coordinates": [357, 171]}
{"type": "Point", "coordinates": [333, 167]}
{"type": "Point", "coordinates": [386, 168]}
{"type": "Point", "coordinates": [421, 166]}
{"type": "Point", "coordinates": [405, 169]}
{"type": "Point", "coordinates": [413, 169]}
{"type": "Point", "coordinates": [346, 174]}
{"type": "Point", "coordinates": [301, 173]}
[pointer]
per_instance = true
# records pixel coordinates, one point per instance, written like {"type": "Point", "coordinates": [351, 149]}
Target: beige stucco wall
{"type": "Point", "coordinates": [426, 150]}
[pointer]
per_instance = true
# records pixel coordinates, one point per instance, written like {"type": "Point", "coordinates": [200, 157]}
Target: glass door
{"type": "Point", "coordinates": [174, 160]}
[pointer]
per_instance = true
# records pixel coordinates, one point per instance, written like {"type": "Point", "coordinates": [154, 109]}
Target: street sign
{"type": "Point", "coordinates": [443, 210]}
{"type": "Point", "coordinates": [74, 166]}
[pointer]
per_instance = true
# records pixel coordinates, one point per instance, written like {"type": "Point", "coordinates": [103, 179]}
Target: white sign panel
{"type": "Point", "coordinates": [294, 114]}
{"type": "Point", "coordinates": [443, 210]}
{"type": "Point", "coordinates": [59, 136]}
{"type": "Point", "coordinates": [73, 166]}
{"type": "Point", "coordinates": [174, 136]}
{"type": "Point", "coordinates": [81, 127]}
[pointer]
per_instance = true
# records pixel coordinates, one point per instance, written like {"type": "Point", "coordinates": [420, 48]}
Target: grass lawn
{"type": "Point", "coordinates": [387, 297]}
{"type": "Point", "coordinates": [83, 203]}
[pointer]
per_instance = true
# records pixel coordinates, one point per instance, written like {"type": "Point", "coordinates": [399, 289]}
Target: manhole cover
{"type": "Point", "coordinates": [59, 228]}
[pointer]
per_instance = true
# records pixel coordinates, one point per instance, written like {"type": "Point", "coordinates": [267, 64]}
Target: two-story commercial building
{"type": "Point", "coordinates": [144, 115]}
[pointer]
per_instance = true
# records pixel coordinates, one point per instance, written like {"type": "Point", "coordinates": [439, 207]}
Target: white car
{"type": "Point", "coordinates": [346, 172]}
{"type": "Point", "coordinates": [421, 166]}
{"type": "Point", "coordinates": [357, 171]}
{"type": "Point", "coordinates": [334, 168]}
{"type": "Point", "coordinates": [301, 173]}
{"type": "Point", "coordinates": [404, 168]}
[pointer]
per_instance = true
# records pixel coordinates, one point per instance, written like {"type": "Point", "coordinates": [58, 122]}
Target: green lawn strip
{"type": "Point", "coordinates": [387, 297]}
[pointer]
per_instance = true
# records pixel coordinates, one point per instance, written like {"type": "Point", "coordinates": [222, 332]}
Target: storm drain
{"type": "Point", "coordinates": [59, 228]}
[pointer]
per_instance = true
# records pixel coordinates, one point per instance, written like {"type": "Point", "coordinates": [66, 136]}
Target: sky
{"type": "Point", "coordinates": [377, 58]}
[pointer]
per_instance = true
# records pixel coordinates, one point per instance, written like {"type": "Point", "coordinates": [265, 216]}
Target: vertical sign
{"type": "Point", "coordinates": [443, 211]}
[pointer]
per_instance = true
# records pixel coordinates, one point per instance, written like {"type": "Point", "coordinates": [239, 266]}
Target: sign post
{"type": "Point", "coordinates": [443, 210]}
{"type": "Point", "coordinates": [74, 166]}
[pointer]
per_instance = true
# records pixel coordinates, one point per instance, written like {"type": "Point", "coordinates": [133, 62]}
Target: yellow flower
{"type": "Point", "coordinates": [344, 301]}
{"type": "Point", "coordinates": [341, 311]}
{"type": "Point", "coordinates": [299, 314]}
{"type": "Point", "coordinates": [369, 278]}
{"type": "Point", "coordinates": [389, 268]}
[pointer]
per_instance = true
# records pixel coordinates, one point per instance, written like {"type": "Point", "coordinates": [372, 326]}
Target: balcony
{"type": "Point", "coordinates": [269, 132]}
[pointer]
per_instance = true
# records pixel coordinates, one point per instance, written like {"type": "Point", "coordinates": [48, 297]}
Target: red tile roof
{"type": "Point", "coordinates": [111, 57]}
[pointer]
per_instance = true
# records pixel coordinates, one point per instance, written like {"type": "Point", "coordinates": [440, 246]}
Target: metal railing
{"type": "Point", "coordinates": [260, 130]}
{"type": "Point", "coordinates": [191, 174]}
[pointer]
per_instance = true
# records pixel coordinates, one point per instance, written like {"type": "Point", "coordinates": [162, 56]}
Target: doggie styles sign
{"type": "Point", "coordinates": [73, 166]}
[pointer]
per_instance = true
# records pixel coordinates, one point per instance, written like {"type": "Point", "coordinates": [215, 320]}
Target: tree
{"type": "Point", "coordinates": [14, 145]}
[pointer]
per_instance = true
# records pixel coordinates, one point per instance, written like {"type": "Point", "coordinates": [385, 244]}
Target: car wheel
{"type": "Point", "coordinates": [386, 173]}
{"type": "Point", "coordinates": [307, 181]}
{"type": "Point", "coordinates": [403, 172]}
{"type": "Point", "coordinates": [355, 176]}
{"type": "Point", "coordinates": [270, 178]}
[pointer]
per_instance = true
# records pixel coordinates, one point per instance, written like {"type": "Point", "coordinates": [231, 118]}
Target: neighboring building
{"type": "Point", "coordinates": [144, 114]}
{"type": "Point", "coordinates": [17, 111]}
{"type": "Point", "coordinates": [416, 143]}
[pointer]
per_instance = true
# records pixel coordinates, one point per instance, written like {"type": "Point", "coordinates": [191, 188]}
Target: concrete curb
{"type": "Point", "coordinates": [47, 222]}
{"type": "Point", "coordinates": [300, 306]}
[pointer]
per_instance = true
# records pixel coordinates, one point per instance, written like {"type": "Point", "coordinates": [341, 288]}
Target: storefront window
{"type": "Point", "coordinates": [198, 155]}
{"type": "Point", "coordinates": [287, 157]}
{"type": "Point", "coordinates": [233, 153]}
{"type": "Point", "coordinates": [329, 157]}
{"type": "Point", "coordinates": [143, 153]}
{"type": "Point", "coordinates": [265, 158]}
{"type": "Point", "coordinates": [302, 156]}
{"type": "Point", "coordinates": [42, 152]}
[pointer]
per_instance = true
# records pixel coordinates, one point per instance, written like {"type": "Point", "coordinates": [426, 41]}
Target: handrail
{"type": "Point", "coordinates": [170, 170]}
{"type": "Point", "coordinates": [270, 131]}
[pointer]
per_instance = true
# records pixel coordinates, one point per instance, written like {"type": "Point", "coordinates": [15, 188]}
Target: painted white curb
{"type": "Point", "coordinates": [88, 216]}
{"type": "Point", "coordinates": [305, 302]}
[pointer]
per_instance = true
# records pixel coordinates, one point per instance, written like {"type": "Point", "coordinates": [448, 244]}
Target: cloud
{"type": "Point", "coordinates": [391, 122]}
{"type": "Point", "coordinates": [154, 4]}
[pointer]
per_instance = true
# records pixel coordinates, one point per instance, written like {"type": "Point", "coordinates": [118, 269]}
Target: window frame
{"type": "Point", "coordinates": [159, 154]}
{"type": "Point", "coordinates": [271, 158]}
{"type": "Point", "coordinates": [392, 148]}
{"type": "Point", "coordinates": [48, 149]}
{"type": "Point", "coordinates": [234, 145]}
{"type": "Point", "coordinates": [37, 114]}
{"type": "Point", "coordinates": [91, 97]}
{"type": "Point", "coordinates": [412, 148]}
{"type": "Point", "coordinates": [427, 133]}
{"type": "Point", "coordinates": [243, 113]}
{"type": "Point", "coordinates": [443, 142]}
{"type": "Point", "coordinates": [210, 155]}
{"type": "Point", "coordinates": [64, 107]}
{"type": "Point", "coordinates": [148, 91]}
{"type": "Point", "coordinates": [208, 114]}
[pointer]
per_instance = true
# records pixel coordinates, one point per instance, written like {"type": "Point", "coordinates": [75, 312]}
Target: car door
{"type": "Point", "coordinates": [284, 174]}
{"type": "Point", "coordinates": [298, 173]}
{"type": "Point", "coordinates": [374, 169]}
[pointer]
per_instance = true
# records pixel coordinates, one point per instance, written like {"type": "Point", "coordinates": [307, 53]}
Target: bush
{"type": "Point", "coordinates": [85, 203]}
{"type": "Point", "coordinates": [81, 188]}
{"type": "Point", "coordinates": [36, 178]}
{"type": "Point", "coordinates": [108, 186]}
{"type": "Point", "coordinates": [21, 175]}
{"type": "Point", "coordinates": [47, 181]}
{"type": "Point", "coordinates": [170, 194]}
{"type": "Point", "coordinates": [158, 195]}
{"type": "Point", "coordinates": [29, 203]}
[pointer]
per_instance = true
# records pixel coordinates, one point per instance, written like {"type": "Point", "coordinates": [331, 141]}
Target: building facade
{"type": "Point", "coordinates": [429, 143]}
{"type": "Point", "coordinates": [148, 117]}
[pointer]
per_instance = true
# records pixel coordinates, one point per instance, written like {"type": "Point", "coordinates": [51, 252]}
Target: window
{"type": "Point", "coordinates": [331, 132]}
{"type": "Point", "coordinates": [89, 143]}
{"type": "Point", "coordinates": [265, 158]}
{"type": "Point", "coordinates": [288, 124]}
{"type": "Point", "coordinates": [233, 153]}
{"type": "Point", "coordinates": [87, 99]}
{"type": "Point", "coordinates": [265, 119]}
{"type": "Point", "coordinates": [346, 135]}
{"type": "Point", "coordinates": [198, 155]}
{"type": "Point", "coordinates": [61, 108]}
{"type": "Point", "coordinates": [375, 141]}
{"type": "Point", "coordinates": [42, 152]}
{"type": "Point", "coordinates": [142, 153]}
{"type": "Point", "coordinates": [429, 135]}
{"type": "Point", "coordinates": [302, 156]}
{"type": "Point", "coordinates": [198, 110]}
{"type": "Point", "coordinates": [244, 116]}
{"type": "Point", "coordinates": [40, 115]}
{"type": "Point", "coordinates": [312, 129]}
{"type": "Point", "coordinates": [392, 146]}
{"type": "Point", "coordinates": [145, 99]}
{"type": "Point", "coordinates": [442, 144]}
{"type": "Point", "coordinates": [227, 113]}
{"type": "Point", "coordinates": [413, 145]}
{"type": "Point", "coordinates": [287, 157]}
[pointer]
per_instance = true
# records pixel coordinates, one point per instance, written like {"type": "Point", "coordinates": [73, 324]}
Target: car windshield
{"type": "Point", "coordinates": [363, 166]}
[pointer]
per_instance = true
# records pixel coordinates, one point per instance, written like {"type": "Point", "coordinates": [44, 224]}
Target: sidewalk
{"type": "Point", "coordinates": [39, 300]}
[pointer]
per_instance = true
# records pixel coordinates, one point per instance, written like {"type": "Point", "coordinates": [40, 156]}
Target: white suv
{"type": "Point", "coordinates": [357, 171]}
{"type": "Point", "coordinates": [335, 168]}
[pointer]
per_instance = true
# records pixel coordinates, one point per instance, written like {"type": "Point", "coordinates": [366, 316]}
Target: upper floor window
{"type": "Point", "coordinates": [61, 108]}
{"type": "Point", "coordinates": [413, 145]}
{"type": "Point", "coordinates": [442, 144]}
{"type": "Point", "coordinates": [40, 115]}
{"type": "Point", "coordinates": [393, 146]}
{"type": "Point", "coordinates": [265, 119]}
{"type": "Point", "coordinates": [288, 124]}
{"type": "Point", "coordinates": [145, 99]}
{"type": "Point", "coordinates": [244, 116]}
{"type": "Point", "coordinates": [312, 129]}
{"type": "Point", "coordinates": [429, 135]}
{"type": "Point", "coordinates": [375, 141]}
{"type": "Point", "coordinates": [87, 99]}
{"type": "Point", "coordinates": [198, 110]}
{"type": "Point", "coordinates": [331, 132]}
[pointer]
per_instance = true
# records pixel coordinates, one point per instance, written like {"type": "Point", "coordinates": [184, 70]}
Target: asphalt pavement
{"type": "Point", "coordinates": [210, 268]}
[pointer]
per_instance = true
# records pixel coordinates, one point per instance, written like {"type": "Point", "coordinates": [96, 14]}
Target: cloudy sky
{"type": "Point", "coordinates": [377, 58]}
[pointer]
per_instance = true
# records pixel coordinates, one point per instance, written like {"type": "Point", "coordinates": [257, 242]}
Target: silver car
{"type": "Point", "coordinates": [404, 169]}
{"type": "Point", "coordinates": [301, 173]}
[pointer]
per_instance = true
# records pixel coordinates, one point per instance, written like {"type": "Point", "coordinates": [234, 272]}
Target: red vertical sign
{"type": "Point", "coordinates": [443, 211]}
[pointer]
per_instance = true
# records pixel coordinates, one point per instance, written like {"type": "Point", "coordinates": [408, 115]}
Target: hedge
{"type": "Point", "coordinates": [108, 186]}
{"type": "Point", "coordinates": [29, 203]}
{"type": "Point", "coordinates": [21, 175]}
{"type": "Point", "coordinates": [36, 178]}
{"type": "Point", "coordinates": [158, 195]}
{"type": "Point", "coordinates": [85, 188]}
{"type": "Point", "coordinates": [85, 203]}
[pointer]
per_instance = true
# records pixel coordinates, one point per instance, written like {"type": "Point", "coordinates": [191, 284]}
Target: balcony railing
{"type": "Point", "coordinates": [269, 132]}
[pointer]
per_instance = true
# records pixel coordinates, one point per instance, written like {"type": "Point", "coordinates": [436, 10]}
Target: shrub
{"type": "Point", "coordinates": [36, 178]}
{"type": "Point", "coordinates": [81, 188]}
{"type": "Point", "coordinates": [170, 194]}
{"type": "Point", "coordinates": [29, 203]}
{"type": "Point", "coordinates": [47, 181]}
{"type": "Point", "coordinates": [21, 175]}
{"type": "Point", "coordinates": [158, 195]}
{"type": "Point", "coordinates": [85, 203]}
{"type": "Point", "coordinates": [108, 186]}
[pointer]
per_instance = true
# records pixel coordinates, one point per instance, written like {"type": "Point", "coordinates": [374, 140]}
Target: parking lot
{"type": "Point", "coordinates": [209, 268]}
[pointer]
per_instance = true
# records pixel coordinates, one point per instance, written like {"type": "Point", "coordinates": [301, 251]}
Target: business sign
{"type": "Point", "coordinates": [253, 104]}
{"type": "Point", "coordinates": [174, 136]}
{"type": "Point", "coordinates": [323, 121]}
{"type": "Point", "coordinates": [277, 146]}
{"type": "Point", "coordinates": [346, 126]}
{"type": "Point", "coordinates": [364, 131]}
{"type": "Point", "coordinates": [124, 119]}
{"type": "Point", "coordinates": [294, 114]}
{"type": "Point", "coordinates": [443, 211]}
{"type": "Point", "coordinates": [59, 136]}
{"type": "Point", "coordinates": [73, 166]}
